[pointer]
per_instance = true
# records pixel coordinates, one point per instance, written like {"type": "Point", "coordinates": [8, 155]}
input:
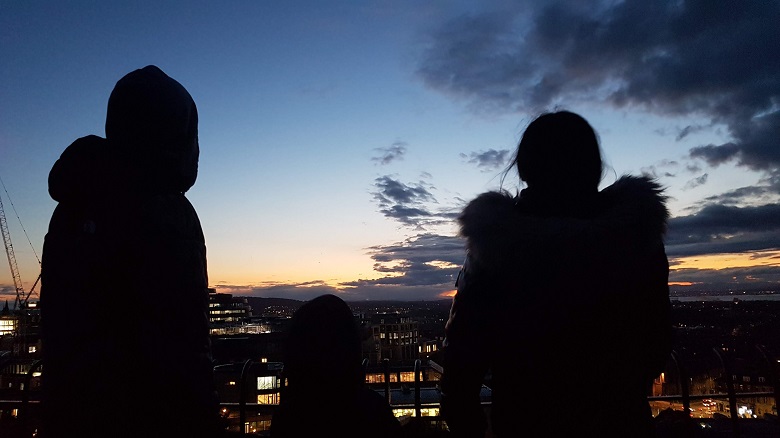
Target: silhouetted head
{"type": "Point", "coordinates": [559, 153]}
{"type": "Point", "coordinates": [154, 119]}
{"type": "Point", "coordinates": [323, 344]}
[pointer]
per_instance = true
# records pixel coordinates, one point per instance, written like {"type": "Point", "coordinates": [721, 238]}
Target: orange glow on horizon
{"type": "Point", "coordinates": [724, 261]}
{"type": "Point", "coordinates": [448, 293]}
{"type": "Point", "coordinates": [681, 283]}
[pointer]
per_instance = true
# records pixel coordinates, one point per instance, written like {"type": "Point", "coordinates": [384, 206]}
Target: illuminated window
{"type": "Point", "coordinates": [32, 349]}
{"type": "Point", "coordinates": [7, 326]}
{"type": "Point", "coordinates": [255, 426]}
{"type": "Point", "coordinates": [266, 382]}
{"type": "Point", "coordinates": [375, 378]}
{"type": "Point", "coordinates": [425, 412]}
{"type": "Point", "coordinates": [407, 376]}
{"type": "Point", "coordinates": [268, 399]}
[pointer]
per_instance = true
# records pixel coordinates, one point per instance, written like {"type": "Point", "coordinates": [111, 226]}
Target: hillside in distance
{"type": "Point", "coordinates": [260, 305]}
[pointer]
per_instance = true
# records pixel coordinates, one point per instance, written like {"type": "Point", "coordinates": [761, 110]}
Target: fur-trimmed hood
{"type": "Point", "coordinates": [497, 225]}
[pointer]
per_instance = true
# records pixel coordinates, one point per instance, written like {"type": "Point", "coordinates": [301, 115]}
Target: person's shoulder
{"type": "Point", "coordinates": [489, 216]}
{"type": "Point", "coordinates": [485, 211]}
{"type": "Point", "coordinates": [637, 201]}
{"type": "Point", "coordinates": [84, 171]}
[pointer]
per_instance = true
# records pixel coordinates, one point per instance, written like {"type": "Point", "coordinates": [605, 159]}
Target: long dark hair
{"type": "Point", "coordinates": [559, 152]}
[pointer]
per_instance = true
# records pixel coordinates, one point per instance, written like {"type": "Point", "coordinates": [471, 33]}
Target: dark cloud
{"type": "Point", "coordinates": [725, 229]}
{"type": "Point", "coordinates": [7, 293]}
{"type": "Point", "coordinates": [716, 155]}
{"type": "Point", "coordinates": [410, 204]}
{"type": "Point", "coordinates": [488, 160]}
{"type": "Point", "coordinates": [423, 261]}
{"type": "Point", "coordinates": [394, 152]}
{"type": "Point", "coordinates": [403, 202]}
{"type": "Point", "coordinates": [716, 60]}
{"type": "Point", "coordinates": [741, 196]}
{"type": "Point", "coordinates": [422, 249]}
{"type": "Point", "coordinates": [392, 191]}
{"type": "Point", "coordinates": [751, 279]}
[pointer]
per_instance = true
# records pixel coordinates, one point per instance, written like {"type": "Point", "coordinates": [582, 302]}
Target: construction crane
{"type": "Point", "coordinates": [21, 297]}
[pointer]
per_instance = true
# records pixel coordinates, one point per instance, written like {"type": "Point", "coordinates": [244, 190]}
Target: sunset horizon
{"type": "Point", "coordinates": [339, 142]}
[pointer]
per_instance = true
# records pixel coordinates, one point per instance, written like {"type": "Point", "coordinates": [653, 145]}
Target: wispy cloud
{"type": "Point", "coordinates": [7, 293]}
{"type": "Point", "coordinates": [488, 160]}
{"type": "Point", "coordinates": [696, 182]}
{"type": "Point", "coordinates": [690, 129]}
{"type": "Point", "coordinates": [409, 203]}
{"type": "Point", "coordinates": [749, 196]}
{"type": "Point", "coordinates": [663, 168]}
{"type": "Point", "coordinates": [387, 155]}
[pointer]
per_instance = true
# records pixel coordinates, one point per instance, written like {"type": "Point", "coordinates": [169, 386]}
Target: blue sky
{"type": "Point", "coordinates": [340, 139]}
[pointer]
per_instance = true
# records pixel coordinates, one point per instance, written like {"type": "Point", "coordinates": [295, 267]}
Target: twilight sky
{"type": "Point", "coordinates": [340, 139]}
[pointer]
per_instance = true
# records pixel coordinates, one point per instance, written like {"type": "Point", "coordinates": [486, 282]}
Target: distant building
{"type": "Point", "coordinates": [393, 336]}
{"type": "Point", "coordinates": [226, 311]}
{"type": "Point", "coordinates": [7, 321]}
{"type": "Point", "coordinates": [20, 347]}
{"type": "Point", "coordinates": [427, 347]}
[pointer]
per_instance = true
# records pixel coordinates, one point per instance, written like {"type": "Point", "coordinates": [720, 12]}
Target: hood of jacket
{"type": "Point", "coordinates": [151, 143]}
{"type": "Point", "coordinates": [498, 225]}
{"type": "Point", "coordinates": [89, 168]}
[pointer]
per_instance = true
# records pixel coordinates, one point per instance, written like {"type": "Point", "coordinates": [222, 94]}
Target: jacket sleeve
{"type": "Point", "coordinates": [466, 354]}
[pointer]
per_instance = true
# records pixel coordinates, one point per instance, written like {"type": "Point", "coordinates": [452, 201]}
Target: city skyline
{"type": "Point", "coordinates": [340, 140]}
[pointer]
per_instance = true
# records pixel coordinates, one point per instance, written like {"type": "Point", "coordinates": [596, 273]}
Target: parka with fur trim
{"type": "Point", "coordinates": [565, 308]}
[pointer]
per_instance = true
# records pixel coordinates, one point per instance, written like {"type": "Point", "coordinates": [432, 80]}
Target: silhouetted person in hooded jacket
{"type": "Point", "coordinates": [563, 297]}
{"type": "Point", "coordinates": [326, 393]}
{"type": "Point", "coordinates": [124, 297]}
